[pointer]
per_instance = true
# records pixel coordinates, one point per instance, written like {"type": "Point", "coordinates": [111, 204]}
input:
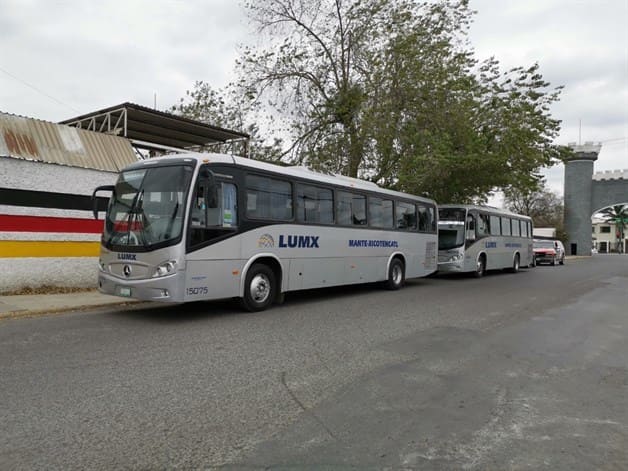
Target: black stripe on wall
{"type": "Point", "coordinates": [46, 199]}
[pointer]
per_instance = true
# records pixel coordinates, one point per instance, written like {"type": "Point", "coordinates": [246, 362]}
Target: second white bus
{"type": "Point", "coordinates": [473, 239]}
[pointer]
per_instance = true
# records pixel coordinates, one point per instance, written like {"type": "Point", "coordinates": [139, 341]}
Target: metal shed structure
{"type": "Point", "coordinates": [154, 130]}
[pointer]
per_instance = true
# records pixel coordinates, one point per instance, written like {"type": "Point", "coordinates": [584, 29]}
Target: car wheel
{"type": "Point", "coordinates": [259, 288]}
{"type": "Point", "coordinates": [396, 275]}
{"type": "Point", "coordinates": [562, 260]}
{"type": "Point", "coordinates": [553, 261]}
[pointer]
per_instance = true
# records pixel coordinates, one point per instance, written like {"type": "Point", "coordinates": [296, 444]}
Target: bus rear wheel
{"type": "Point", "coordinates": [396, 275]}
{"type": "Point", "coordinates": [515, 264]}
{"type": "Point", "coordinates": [259, 288]}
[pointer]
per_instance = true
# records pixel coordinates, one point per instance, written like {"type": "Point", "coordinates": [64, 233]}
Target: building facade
{"type": "Point", "coordinates": [606, 237]}
{"type": "Point", "coordinates": [48, 236]}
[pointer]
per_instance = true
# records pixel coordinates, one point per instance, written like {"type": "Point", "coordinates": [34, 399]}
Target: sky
{"type": "Point", "coordinates": [64, 58]}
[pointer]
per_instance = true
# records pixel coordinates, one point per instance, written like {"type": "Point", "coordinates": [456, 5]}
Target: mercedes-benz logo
{"type": "Point", "coordinates": [127, 270]}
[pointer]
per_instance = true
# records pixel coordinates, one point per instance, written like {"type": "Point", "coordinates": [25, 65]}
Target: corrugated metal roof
{"type": "Point", "coordinates": [148, 126]}
{"type": "Point", "coordinates": [43, 141]}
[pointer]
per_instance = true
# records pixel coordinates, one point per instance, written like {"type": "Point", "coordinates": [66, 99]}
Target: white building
{"type": "Point", "coordinates": [606, 237]}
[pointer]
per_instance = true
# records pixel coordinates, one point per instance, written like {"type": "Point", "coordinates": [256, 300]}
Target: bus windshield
{"type": "Point", "coordinates": [451, 227]}
{"type": "Point", "coordinates": [450, 238]}
{"type": "Point", "coordinates": [147, 207]}
{"type": "Point", "coordinates": [452, 214]}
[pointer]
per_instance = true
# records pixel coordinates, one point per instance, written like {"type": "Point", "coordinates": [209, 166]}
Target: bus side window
{"type": "Point", "coordinates": [381, 213]}
{"type": "Point", "coordinates": [482, 226]}
{"type": "Point", "coordinates": [471, 227]}
{"type": "Point", "coordinates": [268, 198]}
{"type": "Point", "coordinates": [199, 206]}
{"type": "Point", "coordinates": [375, 212]}
{"type": "Point", "coordinates": [229, 209]}
{"type": "Point", "coordinates": [494, 225]}
{"type": "Point", "coordinates": [427, 217]}
{"type": "Point", "coordinates": [506, 226]}
{"type": "Point", "coordinates": [350, 209]}
{"type": "Point", "coordinates": [424, 218]}
{"type": "Point", "coordinates": [314, 204]}
{"type": "Point", "coordinates": [406, 216]}
{"type": "Point", "coordinates": [515, 228]}
{"type": "Point", "coordinates": [213, 212]}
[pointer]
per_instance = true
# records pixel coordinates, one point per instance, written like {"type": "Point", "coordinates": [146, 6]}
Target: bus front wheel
{"type": "Point", "coordinates": [396, 275]}
{"type": "Point", "coordinates": [259, 288]}
{"type": "Point", "coordinates": [480, 267]}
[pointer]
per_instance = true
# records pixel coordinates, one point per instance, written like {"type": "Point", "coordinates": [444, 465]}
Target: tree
{"type": "Point", "coordinates": [390, 90]}
{"type": "Point", "coordinates": [543, 205]}
{"type": "Point", "coordinates": [618, 215]}
{"type": "Point", "coordinates": [231, 109]}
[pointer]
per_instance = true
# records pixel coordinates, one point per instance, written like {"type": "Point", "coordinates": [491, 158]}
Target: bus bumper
{"type": "Point", "coordinates": [449, 267]}
{"type": "Point", "coordinates": [168, 289]}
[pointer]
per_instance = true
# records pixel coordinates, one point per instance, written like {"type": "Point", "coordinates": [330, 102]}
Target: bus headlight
{"type": "Point", "coordinates": [167, 268]}
{"type": "Point", "coordinates": [455, 258]}
{"type": "Point", "coordinates": [102, 265]}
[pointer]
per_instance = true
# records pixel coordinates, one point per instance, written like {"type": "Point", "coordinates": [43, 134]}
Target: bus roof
{"type": "Point", "coordinates": [489, 209]}
{"type": "Point", "coordinates": [290, 171]}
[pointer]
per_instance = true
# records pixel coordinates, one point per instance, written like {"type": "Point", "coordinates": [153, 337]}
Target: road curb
{"type": "Point", "coordinates": [23, 313]}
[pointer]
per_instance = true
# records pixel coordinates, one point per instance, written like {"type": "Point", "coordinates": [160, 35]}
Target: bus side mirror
{"type": "Point", "coordinates": [95, 200]}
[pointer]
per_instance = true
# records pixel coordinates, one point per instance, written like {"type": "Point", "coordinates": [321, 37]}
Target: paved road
{"type": "Point", "coordinates": [525, 371]}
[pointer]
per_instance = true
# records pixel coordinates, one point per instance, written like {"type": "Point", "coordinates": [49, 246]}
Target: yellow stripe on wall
{"type": "Point", "coordinates": [24, 248]}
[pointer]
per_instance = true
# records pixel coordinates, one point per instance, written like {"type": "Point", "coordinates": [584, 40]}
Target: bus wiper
{"type": "Point", "coordinates": [172, 218]}
{"type": "Point", "coordinates": [137, 217]}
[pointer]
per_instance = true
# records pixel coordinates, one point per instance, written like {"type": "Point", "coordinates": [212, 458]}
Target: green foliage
{"type": "Point", "coordinates": [618, 215]}
{"type": "Point", "coordinates": [543, 205]}
{"type": "Point", "coordinates": [230, 109]}
{"type": "Point", "coordinates": [390, 90]}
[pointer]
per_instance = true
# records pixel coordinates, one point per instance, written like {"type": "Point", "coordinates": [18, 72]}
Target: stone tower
{"type": "Point", "coordinates": [578, 201]}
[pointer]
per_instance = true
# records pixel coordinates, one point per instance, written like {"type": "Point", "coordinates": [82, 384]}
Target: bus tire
{"type": "Point", "coordinates": [396, 275]}
{"type": "Point", "coordinates": [259, 288]}
{"type": "Point", "coordinates": [515, 264]}
{"type": "Point", "coordinates": [480, 267]}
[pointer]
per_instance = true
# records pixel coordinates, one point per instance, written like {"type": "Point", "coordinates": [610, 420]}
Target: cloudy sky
{"type": "Point", "coordinates": [62, 58]}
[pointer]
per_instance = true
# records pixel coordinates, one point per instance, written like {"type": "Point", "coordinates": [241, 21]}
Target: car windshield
{"type": "Point", "coordinates": [147, 207]}
{"type": "Point", "coordinates": [543, 244]}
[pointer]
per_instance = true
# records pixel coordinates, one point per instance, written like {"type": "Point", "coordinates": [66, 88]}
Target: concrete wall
{"type": "Point", "coordinates": [47, 235]}
{"type": "Point", "coordinates": [608, 192]}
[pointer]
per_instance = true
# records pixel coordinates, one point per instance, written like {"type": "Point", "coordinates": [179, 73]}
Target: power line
{"type": "Point", "coordinates": [38, 90]}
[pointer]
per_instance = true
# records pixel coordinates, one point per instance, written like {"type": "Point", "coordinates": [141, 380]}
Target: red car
{"type": "Point", "coordinates": [545, 252]}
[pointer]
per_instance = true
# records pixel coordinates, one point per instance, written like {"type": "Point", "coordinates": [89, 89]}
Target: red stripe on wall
{"type": "Point", "coordinates": [50, 224]}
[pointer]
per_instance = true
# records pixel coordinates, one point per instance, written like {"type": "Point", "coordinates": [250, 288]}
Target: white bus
{"type": "Point", "coordinates": [474, 239]}
{"type": "Point", "coordinates": [207, 226]}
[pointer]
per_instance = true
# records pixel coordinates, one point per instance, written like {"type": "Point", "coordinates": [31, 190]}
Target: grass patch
{"type": "Point", "coordinates": [45, 290]}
